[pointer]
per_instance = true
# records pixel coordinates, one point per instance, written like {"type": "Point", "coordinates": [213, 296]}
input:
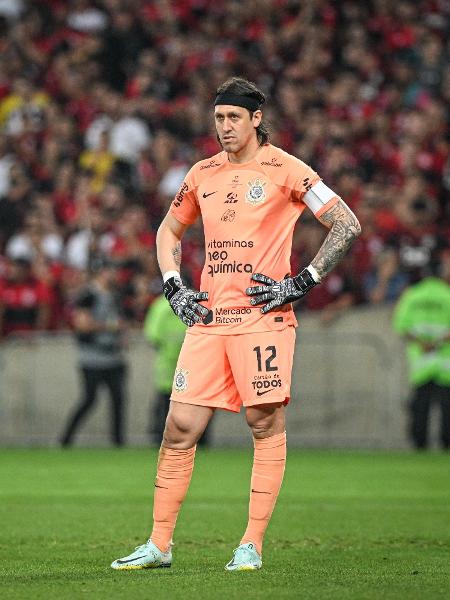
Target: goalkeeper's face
{"type": "Point", "coordinates": [235, 126]}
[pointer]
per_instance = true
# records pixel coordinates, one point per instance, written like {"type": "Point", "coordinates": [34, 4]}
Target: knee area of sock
{"type": "Point", "coordinates": [270, 450]}
{"type": "Point", "coordinates": [178, 456]}
{"type": "Point", "coordinates": [177, 443]}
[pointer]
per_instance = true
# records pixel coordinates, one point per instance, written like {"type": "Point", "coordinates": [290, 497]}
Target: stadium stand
{"type": "Point", "coordinates": [105, 104]}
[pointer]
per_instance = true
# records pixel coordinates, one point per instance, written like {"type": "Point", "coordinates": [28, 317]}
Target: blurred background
{"type": "Point", "coordinates": [105, 105]}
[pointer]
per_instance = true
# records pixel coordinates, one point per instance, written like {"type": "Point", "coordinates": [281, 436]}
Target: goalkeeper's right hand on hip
{"type": "Point", "coordinates": [185, 302]}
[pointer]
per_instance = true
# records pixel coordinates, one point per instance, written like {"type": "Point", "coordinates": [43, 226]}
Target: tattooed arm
{"type": "Point", "coordinates": [168, 244]}
{"type": "Point", "coordinates": [185, 302]}
{"type": "Point", "coordinates": [344, 229]}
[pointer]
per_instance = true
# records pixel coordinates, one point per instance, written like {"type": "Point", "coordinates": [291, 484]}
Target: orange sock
{"type": "Point", "coordinates": [268, 469]}
{"type": "Point", "coordinates": [173, 476]}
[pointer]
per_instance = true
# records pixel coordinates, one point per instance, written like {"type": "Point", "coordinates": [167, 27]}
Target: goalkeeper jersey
{"type": "Point", "coordinates": [249, 212]}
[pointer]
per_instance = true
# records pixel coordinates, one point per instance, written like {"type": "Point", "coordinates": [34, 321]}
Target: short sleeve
{"type": "Point", "coordinates": [304, 181]}
{"type": "Point", "coordinates": [185, 207]}
{"type": "Point", "coordinates": [309, 189]}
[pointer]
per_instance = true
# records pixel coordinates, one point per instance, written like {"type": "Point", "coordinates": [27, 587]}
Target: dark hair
{"type": "Point", "coordinates": [242, 87]}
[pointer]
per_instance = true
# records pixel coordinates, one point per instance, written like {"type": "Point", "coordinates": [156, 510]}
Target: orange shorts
{"type": "Point", "coordinates": [228, 371]}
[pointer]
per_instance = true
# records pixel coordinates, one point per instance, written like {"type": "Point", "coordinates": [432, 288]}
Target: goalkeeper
{"type": "Point", "coordinates": [239, 347]}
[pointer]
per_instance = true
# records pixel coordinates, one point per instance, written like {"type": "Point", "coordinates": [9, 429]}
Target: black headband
{"type": "Point", "coordinates": [236, 100]}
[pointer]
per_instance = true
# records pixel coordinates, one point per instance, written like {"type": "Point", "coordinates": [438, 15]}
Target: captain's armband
{"type": "Point", "coordinates": [318, 196]}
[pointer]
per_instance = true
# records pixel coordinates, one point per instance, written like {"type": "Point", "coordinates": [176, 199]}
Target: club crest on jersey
{"type": "Point", "coordinates": [256, 194]}
{"type": "Point", "coordinates": [180, 381]}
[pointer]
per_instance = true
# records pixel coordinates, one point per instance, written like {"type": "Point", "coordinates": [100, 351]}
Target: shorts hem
{"type": "Point", "coordinates": [220, 329]}
{"type": "Point", "coordinates": [207, 403]}
{"type": "Point", "coordinates": [284, 400]}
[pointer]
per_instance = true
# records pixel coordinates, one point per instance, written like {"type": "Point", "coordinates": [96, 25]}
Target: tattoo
{"type": "Point", "coordinates": [176, 253]}
{"type": "Point", "coordinates": [344, 229]}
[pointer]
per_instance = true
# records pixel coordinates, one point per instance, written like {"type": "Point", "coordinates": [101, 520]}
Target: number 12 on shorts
{"type": "Point", "coordinates": [268, 359]}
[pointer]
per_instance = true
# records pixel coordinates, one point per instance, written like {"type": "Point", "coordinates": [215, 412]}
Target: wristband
{"type": "Point", "coordinates": [168, 274]}
{"type": "Point", "coordinates": [314, 274]}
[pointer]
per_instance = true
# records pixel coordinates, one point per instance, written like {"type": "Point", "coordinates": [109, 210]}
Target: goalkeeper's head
{"type": "Point", "coordinates": [238, 114]}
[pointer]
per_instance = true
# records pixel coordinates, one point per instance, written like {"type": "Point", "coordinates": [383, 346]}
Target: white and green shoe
{"type": "Point", "coordinates": [147, 556]}
{"type": "Point", "coordinates": [245, 558]}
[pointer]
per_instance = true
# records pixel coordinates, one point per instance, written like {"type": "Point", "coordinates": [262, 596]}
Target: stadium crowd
{"type": "Point", "coordinates": [105, 104]}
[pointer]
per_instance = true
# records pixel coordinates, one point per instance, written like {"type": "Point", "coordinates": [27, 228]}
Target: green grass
{"type": "Point", "coordinates": [348, 526]}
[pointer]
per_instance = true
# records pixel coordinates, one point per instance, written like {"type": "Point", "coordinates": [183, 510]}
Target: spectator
{"type": "Point", "coordinates": [386, 281]}
{"type": "Point", "coordinates": [99, 161]}
{"type": "Point", "coordinates": [133, 239]}
{"type": "Point", "coordinates": [36, 237]}
{"type": "Point", "coordinates": [129, 135]}
{"type": "Point", "coordinates": [92, 240]}
{"type": "Point", "coordinates": [24, 300]}
{"type": "Point", "coordinates": [23, 107]}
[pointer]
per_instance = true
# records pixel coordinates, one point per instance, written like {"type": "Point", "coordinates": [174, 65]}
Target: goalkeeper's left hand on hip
{"type": "Point", "coordinates": [276, 293]}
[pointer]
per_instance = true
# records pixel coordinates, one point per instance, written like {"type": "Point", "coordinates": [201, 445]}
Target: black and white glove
{"type": "Point", "coordinates": [185, 302]}
{"type": "Point", "coordinates": [276, 293]}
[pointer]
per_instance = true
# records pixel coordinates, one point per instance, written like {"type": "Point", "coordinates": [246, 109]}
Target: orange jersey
{"type": "Point", "coordinates": [249, 212]}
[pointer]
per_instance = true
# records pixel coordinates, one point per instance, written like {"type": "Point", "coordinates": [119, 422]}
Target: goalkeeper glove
{"type": "Point", "coordinates": [185, 302]}
{"type": "Point", "coordinates": [276, 293]}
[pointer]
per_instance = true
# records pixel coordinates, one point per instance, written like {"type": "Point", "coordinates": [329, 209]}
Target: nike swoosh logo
{"type": "Point", "coordinates": [122, 562]}
{"type": "Point", "coordinates": [258, 492]}
{"type": "Point", "coordinates": [205, 195]}
{"type": "Point", "coordinates": [259, 393]}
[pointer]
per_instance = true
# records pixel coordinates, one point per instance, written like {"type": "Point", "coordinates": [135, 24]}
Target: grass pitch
{"type": "Point", "coordinates": [348, 526]}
